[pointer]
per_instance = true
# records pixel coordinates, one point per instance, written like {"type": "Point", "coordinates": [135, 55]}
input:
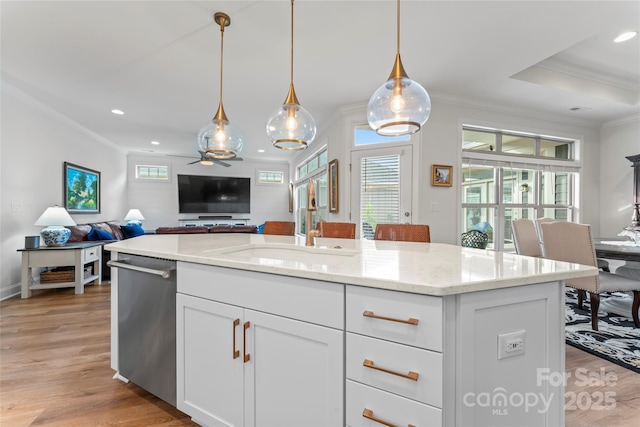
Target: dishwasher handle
{"type": "Point", "coordinates": [165, 274]}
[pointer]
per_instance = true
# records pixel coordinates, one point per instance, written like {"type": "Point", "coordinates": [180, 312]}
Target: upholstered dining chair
{"type": "Point", "coordinates": [525, 237]}
{"type": "Point", "coordinates": [341, 230]}
{"type": "Point", "coordinates": [282, 228]}
{"type": "Point", "coordinates": [403, 232]}
{"type": "Point", "coordinates": [602, 263]}
{"type": "Point", "coordinates": [571, 242]}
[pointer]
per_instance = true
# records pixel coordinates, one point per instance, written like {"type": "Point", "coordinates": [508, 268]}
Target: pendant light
{"type": "Point", "coordinates": [219, 139]}
{"type": "Point", "coordinates": [400, 106]}
{"type": "Point", "coordinates": [291, 127]}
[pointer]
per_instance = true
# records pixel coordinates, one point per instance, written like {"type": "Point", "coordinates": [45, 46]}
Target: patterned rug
{"type": "Point", "coordinates": [617, 340]}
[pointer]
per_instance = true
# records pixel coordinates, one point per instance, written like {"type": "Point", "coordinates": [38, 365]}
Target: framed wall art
{"type": "Point", "coordinates": [441, 175]}
{"type": "Point", "coordinates": [81, 189]}
{"type": "Point", "coordinates": [333, 186]}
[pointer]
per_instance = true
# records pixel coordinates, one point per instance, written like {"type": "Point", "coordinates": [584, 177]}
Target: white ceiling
{"type": "Point", "coordinates": [158, 61]}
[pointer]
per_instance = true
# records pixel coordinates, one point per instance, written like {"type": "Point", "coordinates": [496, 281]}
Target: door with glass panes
{"type": "Point", "coordinates": [381, 185]}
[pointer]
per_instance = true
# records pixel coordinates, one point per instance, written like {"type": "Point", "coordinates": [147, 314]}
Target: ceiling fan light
{"type": "Point", "coordinates": [219, 139]}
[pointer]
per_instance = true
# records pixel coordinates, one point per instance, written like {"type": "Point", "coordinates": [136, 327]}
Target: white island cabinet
{"type": "Point", "coordinates": [259, 350]}
{"type": "Point", "coordinates": [363, 333]}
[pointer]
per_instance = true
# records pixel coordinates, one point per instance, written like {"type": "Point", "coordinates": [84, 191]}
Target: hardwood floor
{"type": "Point", "coordinates": [54, 371]}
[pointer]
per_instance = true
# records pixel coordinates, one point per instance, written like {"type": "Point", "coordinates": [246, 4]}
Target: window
{"type": "Point", "coordinates": [364, 135]}
{"type": "Point", "coordinates": [270, 177]}
{"type": "Point", "coordinates": [506, 175]}
{"type": "Point", "coordinates": [152, 172]}
{"type": "Point", "coordinates": [314, 168]}
{"type": "Point", "coordinates": [379, 191]}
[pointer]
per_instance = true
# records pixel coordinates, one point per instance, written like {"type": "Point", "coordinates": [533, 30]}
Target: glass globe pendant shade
{"type": "Point", "coordinates": [219, 139]}
{"type": "Point", "coordinates": [399, 107]}
{"type": "Point", "coordinates": [291, 127]}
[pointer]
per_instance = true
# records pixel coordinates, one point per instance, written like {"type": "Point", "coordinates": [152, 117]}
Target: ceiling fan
{"type": "Point", "coordinates": [209, 160]}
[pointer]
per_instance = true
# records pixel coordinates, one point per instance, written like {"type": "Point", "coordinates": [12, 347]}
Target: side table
{"type": "Point", "coordinates": [75, 254]}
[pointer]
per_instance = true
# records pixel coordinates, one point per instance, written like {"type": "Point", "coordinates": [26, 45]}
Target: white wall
{"type": "Point", "coordinates": [34, 143]}
{"type": "Point", "coordinates": [619, 140]}
{"type": "Point", "coordinates": [158, 201]}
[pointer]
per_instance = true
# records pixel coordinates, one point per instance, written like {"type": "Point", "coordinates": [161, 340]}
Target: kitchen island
{"type": "Point", "coordinates": [271, 332]}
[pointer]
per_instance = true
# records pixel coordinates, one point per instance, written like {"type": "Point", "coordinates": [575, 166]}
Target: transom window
{"type": "Point", "coordinates": [152, 172]}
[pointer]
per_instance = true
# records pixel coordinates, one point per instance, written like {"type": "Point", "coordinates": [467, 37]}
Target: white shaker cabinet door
{"type": "Point", "coordinates": [295, 373]}
{"type": "Point", "coordinates": [210, 369]}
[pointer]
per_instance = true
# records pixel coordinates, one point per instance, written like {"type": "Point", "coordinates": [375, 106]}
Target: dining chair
{"type": "Point", "coordinates": [603, 264]}
{"type": "Point", "coordinates": [571, 242]}
{"type": "Point", "coordinates": [525, 237]}
{"type": "Point", "coordinates": [342, 230]}
{"type": "Point", "coordinates": [403, 232]}
{"type": "Point", "coordinates": [281, 228]}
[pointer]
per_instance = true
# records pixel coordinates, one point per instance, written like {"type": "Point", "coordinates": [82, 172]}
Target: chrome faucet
{"type": "Point", "coordinates": [311, 207]}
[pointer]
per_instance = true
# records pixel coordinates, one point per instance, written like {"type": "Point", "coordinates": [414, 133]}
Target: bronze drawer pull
{"type": "Point", "coordinates": [368, 413]}
{"type": "Point", "coordinates": [236, 352]}
{"type": "Point", "coordinates": [411, 320]}
{"type": "Point", "coordinates": [410, 376]}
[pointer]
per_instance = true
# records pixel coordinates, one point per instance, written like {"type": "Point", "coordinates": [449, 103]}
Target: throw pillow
{"type": "Point", "coordinates": [97, 234]}
{"type": "Point", "coordinates": [132, 230]}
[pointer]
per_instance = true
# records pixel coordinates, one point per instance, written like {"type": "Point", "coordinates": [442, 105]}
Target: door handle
{"type": "Point", "coordinates": [236, 352]}
{"type": "Point", "coordinates": [246, 355]}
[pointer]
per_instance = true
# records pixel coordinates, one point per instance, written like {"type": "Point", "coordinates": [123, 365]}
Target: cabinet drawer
{"type": "Point", "coordinates": [402, 306]}
{"type": "Point", "coordinates": [308, 300]}
{"type": "Point", "coordinates": [385, 356]}
{"type": "Point", "coordinates": [388, 408]}
{"type": "Point", "coordinates": [92, 253]}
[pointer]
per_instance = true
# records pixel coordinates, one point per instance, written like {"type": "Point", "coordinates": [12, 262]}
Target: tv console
{"type": "Point", "coordinates": [210, 221]}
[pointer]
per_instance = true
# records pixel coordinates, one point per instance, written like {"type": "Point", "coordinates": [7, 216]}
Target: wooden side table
{"type": "Point", "coordinates": [77, 255]}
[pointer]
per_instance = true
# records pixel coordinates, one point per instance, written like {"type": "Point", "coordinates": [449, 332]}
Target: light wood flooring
{"type": "Point", "coordinates": [55, 371]}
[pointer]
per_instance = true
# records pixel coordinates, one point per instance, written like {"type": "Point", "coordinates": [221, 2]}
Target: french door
{"type": "Point", "coordinates": [381, 188]}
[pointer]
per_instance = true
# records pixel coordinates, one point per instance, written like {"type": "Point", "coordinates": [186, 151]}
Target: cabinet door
{"type": "Point", "coordinates": [295, 373]}
{"type": "Point", "coordinates": [210, 372]}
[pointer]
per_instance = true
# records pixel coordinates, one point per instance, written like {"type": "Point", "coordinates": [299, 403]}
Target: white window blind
{"type": "Point", "coordinates": [380, 190]}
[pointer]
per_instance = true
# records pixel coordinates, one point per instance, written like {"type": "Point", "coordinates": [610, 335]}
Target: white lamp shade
{"type": "Point", "coordinates": [55, 215]}
{"type": "Point", "coordinates": [134, 215]}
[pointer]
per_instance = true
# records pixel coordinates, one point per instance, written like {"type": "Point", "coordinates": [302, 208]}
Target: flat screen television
{"type": "Point", "coordinates": [213, 194]}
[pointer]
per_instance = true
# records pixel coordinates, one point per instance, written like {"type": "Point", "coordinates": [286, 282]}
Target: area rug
{"type": "Point", "coordinates": [617, 339]}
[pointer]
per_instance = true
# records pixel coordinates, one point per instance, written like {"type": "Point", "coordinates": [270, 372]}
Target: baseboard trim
{"type": "Point", "coordinates": [11, 291]}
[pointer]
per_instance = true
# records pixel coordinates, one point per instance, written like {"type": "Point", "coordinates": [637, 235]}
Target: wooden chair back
{"type": "Point", "coordinates": [341, 230]}
{"type": "Point", "coordinates": [403, 232]}
{"type": "Point", "coordinates": [281, 228]}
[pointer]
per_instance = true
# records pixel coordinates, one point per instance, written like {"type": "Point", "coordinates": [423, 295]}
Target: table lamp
{"type": "Point", "coordinates": [54, 219]}
{"type": "Point", "coordinates": [134, 216]}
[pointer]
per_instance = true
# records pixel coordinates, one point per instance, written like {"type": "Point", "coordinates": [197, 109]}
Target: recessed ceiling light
{"type": "Point", "coordinates": [625, 36]}
{"type": "Point", "coordinates": [155, 143]}
{"type": "Point", "coordinates": [118, 112]}
{"type": "Point", "coordinates": [260, 151]}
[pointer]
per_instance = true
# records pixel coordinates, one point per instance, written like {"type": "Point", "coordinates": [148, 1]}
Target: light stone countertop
{"type": "Point", "coordinates": [423, 268]}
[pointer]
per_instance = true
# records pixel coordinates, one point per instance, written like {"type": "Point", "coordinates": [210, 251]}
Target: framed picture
{"type": "Point", "coordinates": [81, 189]}
{"type": "Point", "coordinates": [441, 175]}
{"type": "Point", "coordinates": [333, 185]}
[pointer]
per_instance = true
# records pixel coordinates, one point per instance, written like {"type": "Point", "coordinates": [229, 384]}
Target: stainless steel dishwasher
{"type": "Point", "coordinates": [147, 323]}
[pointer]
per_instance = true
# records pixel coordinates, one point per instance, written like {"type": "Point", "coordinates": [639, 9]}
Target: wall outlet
{"type": "Point", "coordinates": [511, 344]}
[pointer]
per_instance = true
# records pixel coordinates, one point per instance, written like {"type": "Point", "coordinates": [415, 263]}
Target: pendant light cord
{"type": "Point", "coordinates": [291, 70]}
{"type": "Point", "coordinates": [398, 28]}
{"type": "Point", "coordinates": [222, 25]}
